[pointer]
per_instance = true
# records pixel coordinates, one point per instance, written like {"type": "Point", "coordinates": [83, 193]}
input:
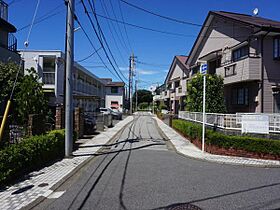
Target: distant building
{"type": "Point", "coordinates": [8, 42]}
{"type": "Point", "coordinates": [174, 93]}
{"type": "Point", "coordinates": [115, 93]}
{"type": "Point", "coordinates": [88, 89]}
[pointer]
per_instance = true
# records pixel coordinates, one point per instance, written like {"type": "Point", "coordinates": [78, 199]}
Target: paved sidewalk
{"type": "Point", "coordinates": [39, 183]}
{"type": "Point", "coordinates": [185, 147]}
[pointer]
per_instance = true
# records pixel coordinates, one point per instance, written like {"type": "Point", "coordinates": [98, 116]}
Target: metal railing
{"type": "Point", "coordinates": [12, 43]}
{"type": "Point", "coordinates": [49, 78]}
{"type": "Point", "coordinates": [3, 10]}
{"type": "Point", "coordinates": [228, 121]}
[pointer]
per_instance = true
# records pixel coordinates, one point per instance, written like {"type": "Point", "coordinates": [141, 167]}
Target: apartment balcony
{"type": "Point", "coordinates": [179, 91]}
{"type": "Point", "coordinates": [3, 10]}
{"type": "Point", "coordinates": [166, 94]}
{"type": "Point", "coordinates": [49, 78]}
{"type": "Point", "coordinates": [10, 43]}
{"type": "Point", "coordinates": [245, 69]}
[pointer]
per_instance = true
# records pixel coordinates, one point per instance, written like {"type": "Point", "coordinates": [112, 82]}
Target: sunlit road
{"type": "Point", "coordinates": [140, 170]}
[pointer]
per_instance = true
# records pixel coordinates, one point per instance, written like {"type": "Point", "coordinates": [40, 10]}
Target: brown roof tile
{"type": "Point", "coordinates": [248, 19]}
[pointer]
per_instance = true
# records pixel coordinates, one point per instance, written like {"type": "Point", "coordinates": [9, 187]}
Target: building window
{"type": "Point", "coordinates": [240, 53]}
{"type": "Point", "coordinates": [230, 70]}
{"type": "Point", "coordinates": [240, 96]}
{"type": "Point", "coordinates": [276, 48]}
{"type": "Point", "coordinates": [177, 84]}
{"type": "Point", "coordinates": [114, 89]}
{"type": "Point", "coordinates": [49, 70]}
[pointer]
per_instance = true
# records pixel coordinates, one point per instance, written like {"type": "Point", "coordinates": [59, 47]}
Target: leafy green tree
{"type": "Point", "coordinates": [143, 96]}
{"type": "Point", "coordinates": [143, 105]}
{"type": "Point", "coordinates": [215, 102]}
{"type": "Point", "coordinates": [8, 74]}
{"type": "Point", "coordinates": [30, 97]}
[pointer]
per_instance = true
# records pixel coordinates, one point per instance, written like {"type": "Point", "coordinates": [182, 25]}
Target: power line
{"type": "Point", "coordinates": [109, 26]}
{"type": "Point", "coordinates": [98, 25]}
{"type": "Point", "coordinates": [161, 16]}
{"type": "Point", "coordinates": [166, 32]}
{"type": "Point", "coordinates": [87, 36]}
{"type": "Point", "coordinates": [93, 26]}
{"type": "Point", "coordinates": [84, 31]}
{"type": "Point", "coordinates": [118, 26]}
{"type": "Point", "coordinates": [44, 17]}
{"type": "Point", "coordinates": [81, 60]}
{"type": "Point", "coordinates": [128, 41]}
{"type": "Point", "coordinates": [145, 28]}
{"type": "Point", "coordinates": [173, 19]}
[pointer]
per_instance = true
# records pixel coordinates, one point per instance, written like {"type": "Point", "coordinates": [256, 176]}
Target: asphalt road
{"type": "Point", "coordinates": [140, 170]}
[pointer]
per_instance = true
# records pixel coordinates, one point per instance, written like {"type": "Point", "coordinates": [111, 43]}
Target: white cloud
{"type": "Point", "coordinates": [147, 72]}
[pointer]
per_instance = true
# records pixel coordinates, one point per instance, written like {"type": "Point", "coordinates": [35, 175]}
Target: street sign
{"type": "Point", "coordinates": [203, 69]}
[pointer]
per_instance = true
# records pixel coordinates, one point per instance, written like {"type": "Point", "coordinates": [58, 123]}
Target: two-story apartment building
{"type": "Point", "coordinates": [88, 89]}
{"type": "Point", "coordinates": [175, 82]}
{"type": "Point", "coordinates": [245, 51]}
{"type": "Point", "coordinates": [8, 42]}
{"type": "Point", "coordinates": [115, 94]}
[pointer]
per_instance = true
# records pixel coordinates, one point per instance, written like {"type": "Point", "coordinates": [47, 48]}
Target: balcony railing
{"type": "Point", "coordinates": [3, 10]}
{"type": "Point", "coordinates": [49, 78]}
{"type": "Point", "coordinates": [12, 43]}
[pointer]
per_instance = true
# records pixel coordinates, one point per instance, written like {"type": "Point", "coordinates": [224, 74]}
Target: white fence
{"type": "Point", "coordinates": [229, 121]}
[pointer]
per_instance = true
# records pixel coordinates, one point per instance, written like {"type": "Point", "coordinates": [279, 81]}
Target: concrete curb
{"type": "Point", "coordinates": [184, 147]}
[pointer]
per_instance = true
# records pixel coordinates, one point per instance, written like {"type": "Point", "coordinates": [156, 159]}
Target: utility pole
{"type": "Point", "coordinates": [136, 95]}
{"type": "Point", "coordinates": [130, 87]}
{"type": "Point", "coordinates": [69, 66]}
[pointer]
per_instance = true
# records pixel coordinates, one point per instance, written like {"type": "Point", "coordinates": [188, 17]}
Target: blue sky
{"type": "Point", "coordinates": [149, 47]}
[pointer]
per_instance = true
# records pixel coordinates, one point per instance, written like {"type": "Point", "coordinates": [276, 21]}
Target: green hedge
{"type": "Point", "coordinates": [30, 154]}
{"type": "Point", "coordinates": [247, 143]}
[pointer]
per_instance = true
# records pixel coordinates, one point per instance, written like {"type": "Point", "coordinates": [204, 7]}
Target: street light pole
{"type": "Point", "coordinates": [203, 127]}
{"type": "Point", "coordinates": [69, 66]}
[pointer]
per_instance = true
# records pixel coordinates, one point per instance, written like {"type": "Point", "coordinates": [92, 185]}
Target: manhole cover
{"type": "Point", "coordinates": [43, 185]}
{"type": "Point", "coordinates": [183, 206]}
{"type": "Point", "coordinates": [23, 189]}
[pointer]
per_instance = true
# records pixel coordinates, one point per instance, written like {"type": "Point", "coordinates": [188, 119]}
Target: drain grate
{"type": "Point", "coordinates": [183, 206]}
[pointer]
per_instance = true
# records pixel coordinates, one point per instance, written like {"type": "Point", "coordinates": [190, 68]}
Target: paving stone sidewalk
{"type": "Point", "coordinates": [39, 183]}
{"type": "Point", "coordinates": [185, 147]}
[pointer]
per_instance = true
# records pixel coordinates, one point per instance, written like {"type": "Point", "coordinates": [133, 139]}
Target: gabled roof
{"type": "Point", "coordinates": [181, 61]}
{"type": "Point", "coordinates": [258, 23]}
{"type": "Point", "coordinates": [248, 19]}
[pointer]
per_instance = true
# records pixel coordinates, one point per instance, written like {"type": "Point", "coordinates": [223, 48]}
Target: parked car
{"type": "Point", "coordinates": [116, 114]}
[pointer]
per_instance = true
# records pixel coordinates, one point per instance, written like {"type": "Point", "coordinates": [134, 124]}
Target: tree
{"type": "Point", "coordinates": [214, 103]}
{"type": "Point", "coordinates": [143, 96]}
{"type": "Point", "coordinates": [28, 95]}
{"type": "Point", "coordinates": [8, 74]}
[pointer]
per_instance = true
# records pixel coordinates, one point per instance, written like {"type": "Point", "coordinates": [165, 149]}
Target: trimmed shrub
{"type": "Point", "coordinates": [247, 143]}
{"type": "Point", "coordinates": [30, 154]}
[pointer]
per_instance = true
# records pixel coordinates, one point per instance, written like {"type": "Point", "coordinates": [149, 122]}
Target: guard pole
{"type": "Point", "coordinates": [203, 126]}
{"type": "Point", "coordinates": [3, 123]}
{"type": "Point", "coordinates": [69, 66]}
